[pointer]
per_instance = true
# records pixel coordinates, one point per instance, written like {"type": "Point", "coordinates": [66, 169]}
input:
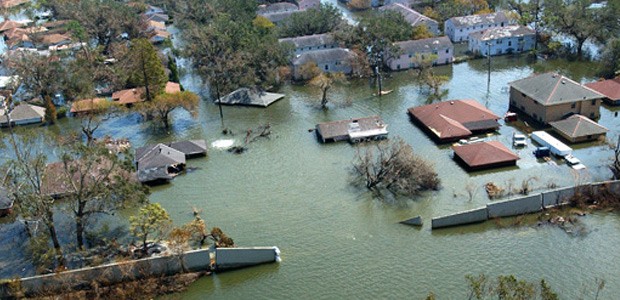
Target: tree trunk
{"type": "Point", "coordinates": [54, 237]}
{"type": "Point", "coordinates": [580, 43]}
{"type": "Point", "coordinates": [165, 120]}
{"type": "Point", "coordinates": [324, 99]}
{"type": "Point", "coordinates": [79, 225]}
{"type": "Point", "coordinates": [146, 78]}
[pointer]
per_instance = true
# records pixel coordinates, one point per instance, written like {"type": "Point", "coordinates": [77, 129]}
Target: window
{"type": "Point", "coordinates": [326, 67]}
{"type": "Point", "coordinates": [509, 43]}
{"type": "Point", "coordinates": [499, 42]}
{"type": "Point", "coordinates": [398, 67]}
{"type": "Point", "coordinates": [448, 50]}
{"type": "Point", "coordinates": [520, 39]}
{"type": "Point", "coordinates": [593, 101]}
{"type": "Point", "coordinates": [461, 30]}
{"type": "Point", "coordinates": [573, 105]}
{"type": "Point", "coordinates": [592, 115]}
{"type": "Point", "coordinates": [409, 55]}
{"type": "Point", "coordinates": [502, 24]}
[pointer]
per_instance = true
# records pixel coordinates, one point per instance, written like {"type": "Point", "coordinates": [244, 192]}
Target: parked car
{"type": "Point", "coordinates": [519, 140]}
{"type": "Point", "coordinates": [574, 162]}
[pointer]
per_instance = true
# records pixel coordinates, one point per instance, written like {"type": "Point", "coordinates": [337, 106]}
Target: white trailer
{"type": "Point", "coordinates": [556, 147]}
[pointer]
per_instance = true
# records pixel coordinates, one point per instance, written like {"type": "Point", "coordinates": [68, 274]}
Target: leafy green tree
{"type": "Point", "coordinates": [546, 293]}
{"type": "Point", "coordinates": [427, 78]}
{"type": "Point", "coordinates": [174, 71]}
{"type": "Point", "coordinates": [319, 20]}
{"type": "Point", "coordinates": [610, 59]}
{"type": "Point", "coordinates": [145, 68]}
{"type": "Point", "coordinates": [161, 107]}
{"type": "Point", "coordinates": [151, 222]}
{"type": "Point", "coordinates": [40, 75]}
{"type": "Point", "coordinates": [421, 32]}
{"type": "Point", "coordinates": [574, 19]}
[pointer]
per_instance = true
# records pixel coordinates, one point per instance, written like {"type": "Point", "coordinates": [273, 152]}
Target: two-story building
{"type": "Point", "coordinates": [313, 42]}
{"type": "Point", "coordinates": [440, 46]}
{"type": "Point", "coordinates": [413, 17]}
{"type": "Point", "coordinates": [459, 28]}
{"type": "Point", "coordinates": [502, 40]}
{"type": "Point", "coordinates": [551, 97]}
{"type": "Point", "coordinates": [328, 61]}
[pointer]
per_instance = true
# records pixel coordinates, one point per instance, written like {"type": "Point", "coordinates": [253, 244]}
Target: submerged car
{"type": "Point", "coordinates": [574, 162]}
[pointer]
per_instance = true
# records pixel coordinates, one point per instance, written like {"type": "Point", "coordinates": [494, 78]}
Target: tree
{"type": "Point", "coordinates": [319, 20]}
{"type": "Point", "coordinates": [152, 222]}
{"type": "Point", "coordinates": [90, 120]}
{"type": "Point", "coordinates": [508, 287]}
{"type": "Point", "coordinates": [50, 110]}
{"type": "Point", "coordinates": [96, 182]}
{"type": "Point", "coordinates": [610, 59]}
{"type": "Point", "coordinates": [615, 165]}
{"type": "Point", "coordinates": [426, 77]}
{"type": "Point", "coordinates": [145, 68]}
{"type": "Point", "coordinates": [392, 165]}
{"type": "Point", "coordinates": [39, 75]}
{"type": "Point", "coordinates": [174, 71]}
{"type": "Point", "coordinates": [325, 81]}
{"type": "Point", "coordinates": [163, 104]}
{"type": "Point", "coordinates": [421, 32]}
{"type": "Point", "coordinates": [574, 19]}
{"type": "Point", "coordinates": [358, 4]}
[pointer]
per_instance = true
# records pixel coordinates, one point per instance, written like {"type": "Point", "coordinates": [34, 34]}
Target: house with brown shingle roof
{"type": "Point", "coordinates": [454, 120]}
{"type": "Point", "coordinates": [551, 97]}
{"type": "Point", "coordinates": [129, 96]}
{"type": "Point", "coordinates": [172, 87]}
{"type": "Point", "coordinates": [8, 24]}
{"type": "Point", "coordinates": [609, 88]}
{"type": "Point", "coordinates": [87, 105]}
{"type": "Point", "coordinates": [578, 128]}
{"type": "Point", "coordinates": [484, 155]}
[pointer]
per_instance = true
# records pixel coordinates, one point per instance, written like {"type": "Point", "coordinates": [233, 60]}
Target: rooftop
{"type": "Point", "coordinates": [578, 126]}
{"type": "Point", "coordinates": [551, 88]}
{"type": "Point", "coordinates": [425, 45]}
{"type": "Point", "coordinates": [324, 56]}
{"type": "Point", "coordinates": [309, 40]}
{"type": "Point", "coordinates": [343, 128]}
{"type": "Point", "coordinates": [247, 96]}
{"type": "Point", "coordinates": [412, 16]}
{"type": "Point", "coordinates": [455, 119]}
{"type": "Point", "coordinates": [159, 155]}
{"type": "Point", "coordinates": [485, 154]}
{"type": "Point", "coordinates": [609, 88]}
{"type": "Point", "coordinates": [482, 19]}
{"type": "Point", "coordinates": [23, 111]}
{"type": "Point", "coordinates": [502, 32]}
{"type": "Point", "coordinates": [277, 7]}
{"type": "Point", "coordinates": [129, 96]}
{"type": "Point", "coordinates": [172, 87]}
{"type": "Point", "coordinates": [87, 105]}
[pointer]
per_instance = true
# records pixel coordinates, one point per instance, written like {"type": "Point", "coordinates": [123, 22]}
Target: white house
{"type": "Point", "coordinates": [328, 61]}
{"type": "Point", "coordinates": [413, 17]}
{"type": "Point", "coordinates": [440, 46]}
{"type": "Point", "coordinates": [307, 43]}
{"type": "Point", "coordinates": [459, 28]}
{"type": "Point", "coordinates": [502, 40]}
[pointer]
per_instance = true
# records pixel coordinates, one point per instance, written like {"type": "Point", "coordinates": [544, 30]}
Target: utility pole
{"type": "Point", "coordinates": [489, 66]}
{"type": "Point", "coordinates": [219, 101]}
{"type": "Point", "coordinates": [536, 27]}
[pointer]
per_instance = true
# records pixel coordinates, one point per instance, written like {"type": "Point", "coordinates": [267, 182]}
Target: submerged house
{"type": "Point", "coordinates": [440, 46]}
{"type": "Point", "coordinates": [353, 130]}
{"type": "Point", "coordinates": [485, 155]}
{"type": "Point", "coordinates": [551, 97]}
{"type": "Point", "coordinates": [413, 17]}
{"type": "Point", "coordinates": [190, 148]}
{"type": "Point", "coordinates": [251, 97]}
{"type": "Point", "coordinates": [459, 28]}
{"type": "Point", "coordinates": [578, 128]}
{"type": "Point", "coordinates": [158, 163]}
{"type": "Point", "coordinates": [502, 40]}
{"type": "Point", "coordinates": [129, 96]}
{"type": "Point", "coordinates": [87, 105]}
{"type": "Point", "coordinates": [454, 120]}
{"type": "Point", "coordinates": [23, 114]}
{"type": "Point", "coordinates": [278, 12]}
{"type": "Point", "coordinates": [609, 88]}
{"type": "Point", "coordinates": [328, 61]}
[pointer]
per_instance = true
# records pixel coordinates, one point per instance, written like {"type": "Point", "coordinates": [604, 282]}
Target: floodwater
{"type": "Point", "coordinates": [339, 241]}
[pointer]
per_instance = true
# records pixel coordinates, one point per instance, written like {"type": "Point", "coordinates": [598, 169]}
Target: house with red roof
{"type": "Point", "coordinates": [609, 88]}
{"type": "Point", "coordinates": [485, 155]}
{"type": "Point", "coordinates": [454, 120]}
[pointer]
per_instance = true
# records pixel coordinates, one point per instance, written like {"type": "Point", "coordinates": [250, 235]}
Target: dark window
{"type": "Point", "coordinates": [509, 43]}
{"type": "Point", "coordinates": [409, 55]}
{"type": "Point", "coordinates": [448, 50]}
{"type": "Point", "coordinates": [573, 105]}
{"type": "Point", "coordinates": [593, 101]}
{"type": "Point", "coordinates": [326, 67]}
{"type": "Point", "coordinates": [589, 137]}
{"type": "Point", "coordinates": [591, 115]}
{"type": "Point", "coordinates": [502, 24]}
{"type": "Point", "coordinates": [398, 67]}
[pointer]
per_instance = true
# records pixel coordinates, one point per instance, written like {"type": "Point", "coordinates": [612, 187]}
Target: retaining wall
{"type": "Point", "coordinates": [557, 197]}
{"type": "Point", "coordinates": [519, 206]}
{"type": "Point", "coordinates": [461, 218]}
{"type": "Point", "coordinates": [233, 258]}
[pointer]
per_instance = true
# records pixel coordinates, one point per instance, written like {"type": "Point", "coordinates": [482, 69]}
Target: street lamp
{"type": "Point", "coordinates": [489, 65]}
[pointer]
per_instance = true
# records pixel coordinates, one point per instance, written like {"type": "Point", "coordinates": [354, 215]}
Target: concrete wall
{"type": "Point", "coordinates": [461, 218]}
{"type": "Point", "coordinates": [513, 207]}
{"type": "Point", "coordinates": [557, 197]}
{"type": "Point", "coordinates": [232, 258]}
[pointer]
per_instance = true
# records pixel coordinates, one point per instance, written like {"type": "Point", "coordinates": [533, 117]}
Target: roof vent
{"type": "Point", "coordinates": [451, 102]}
{"type": "Point", "coordinates": [563, 81]}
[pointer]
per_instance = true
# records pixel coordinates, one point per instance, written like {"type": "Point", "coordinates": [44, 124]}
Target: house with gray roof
{"type": "Point", "coordinates": [158, 163]}
{"type": "Point", "coordinates": [191, 148]}
{"type": "Point", "coordinates": [502, 40]}
{"type": "Point", "coordinates": [413, 17]}
{"type": "Point", "coordinates": [251, 97]}
{"type": "Point", "coordinates": [459, 28]}
{"type": "Point", "coordinates": [277, 12]}
{"type": "Point", "coordinates": [577, 129]}
{"type": "Point", "coordinates": [328, 61]}
{"type": "Point", "coordinates": [551, 97]}
{"type": "Point", "coordinates": [23, 114]}
{"type": "Point", "coordinates": [307, 4]}
{"type": "Point", "coordinates": [307, 43]}
{"type": "Point", "coordinates": [440, 46]}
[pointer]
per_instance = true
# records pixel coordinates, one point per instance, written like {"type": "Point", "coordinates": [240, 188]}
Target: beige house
{"type": "Point", "coordinates": [551, 97]}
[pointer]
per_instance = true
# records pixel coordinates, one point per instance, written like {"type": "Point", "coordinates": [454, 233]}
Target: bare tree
{"type": "Point", "coordinates": [392, 165]}
{"type": "Point", "coordinates": [615, 166]}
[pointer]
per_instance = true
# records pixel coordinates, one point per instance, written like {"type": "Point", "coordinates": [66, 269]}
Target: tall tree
{"type": "Point", "coordinates": [319, 20]}
{"type": "Point", "coordinates": [161, 107]}
{"type": "Point", "coordinates": [146, 68]}
{"type": "Point", "coordinates": [574, 19]}
{"type": "Point", "coordinates": [325, 81]}
{"type": "Point", "coordinates": [40, 75]}
{"type": "Point", "coordinates": [610, 59]}
{"type": "Point", "coordinates": [427, 78]}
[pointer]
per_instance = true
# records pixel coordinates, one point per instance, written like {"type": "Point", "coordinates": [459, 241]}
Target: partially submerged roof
{"type": "Point", "coordinates": [330, 130]}
{"type": "Point", "coordinates": [609, 88]}
{"type": "Point", "coordinates": [157, 156]}
{"type": "Point", "coordinates": [324, 56]}
{"type": "Point", "coordinates": [190, 148]}
{"type": "Point", "coordinates": [413, 17]}
{"type": "Point", "coordinates": [484, 154]}
{"type": "Point", "coordinates": [496, 33]}
{"type": "Point", "coordinates": [310, 40]}
{"type": "Point", "coordinates": [247, 96]}
{"type": "Point", "coordinates": [129, 96]}
{"type": "Point", "coordinates": [425, 45]}
{"type": "Point", "coordinates": [481, 19]}
{"type": "Point", "coordinates": [552, 88]}
{"type": "Point", "coordinates": [23, 112]}
{"type": "Point", "coordinates": [455, 118]}
{"type": "Point", "coordinates": [86, 105]}
{"type": "Point", "coordinates": [172, 87]}
{"type": "Point", "coordinates": [578, 126]}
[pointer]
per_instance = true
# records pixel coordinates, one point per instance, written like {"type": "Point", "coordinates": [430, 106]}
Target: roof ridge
{"type": "Point", "coordinates": [555, 88]}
